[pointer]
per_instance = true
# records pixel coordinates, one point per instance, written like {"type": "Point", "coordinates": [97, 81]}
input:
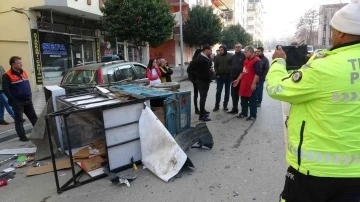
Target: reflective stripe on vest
{"type": "Point", "coordinates": [345, 96]}
{"type": "Point", "coordinates": [328, 158]}
{"type": "Point", "coordinates": [15, 78]}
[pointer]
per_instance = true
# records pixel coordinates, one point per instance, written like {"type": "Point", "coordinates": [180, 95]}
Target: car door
{"type": "Point", "coordinates": [141, 72]}
{"type": "Point", "coordinates": [126, 71]}
{"type": "Point", "coordinates": [110, 75]}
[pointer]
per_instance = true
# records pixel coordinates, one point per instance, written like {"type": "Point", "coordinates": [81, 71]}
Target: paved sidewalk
{"type": "Point", "coordinates": [8, 132]}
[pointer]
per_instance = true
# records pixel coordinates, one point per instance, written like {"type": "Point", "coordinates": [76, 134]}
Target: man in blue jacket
{"type": "Point", "coordinates": [16, 87]}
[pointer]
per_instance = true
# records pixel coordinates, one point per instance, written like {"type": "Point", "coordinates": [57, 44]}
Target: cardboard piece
{"type": "Point", "coordinates": [82, 154]}
{"type": "Point", "coordinates": [60, 165]}
{"type": "Point", "coordinates": [159, 112]}
{"type": "Point", "coordinates": [92, 163]}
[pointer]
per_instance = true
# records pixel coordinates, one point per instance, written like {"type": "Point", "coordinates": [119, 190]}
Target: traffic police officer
{"type": "Point", "coordinates": [324, 131]}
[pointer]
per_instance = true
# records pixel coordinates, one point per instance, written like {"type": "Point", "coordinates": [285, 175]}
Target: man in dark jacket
{"type": "Point", "coordinates": [264, 70]}
{"type": "Point", "coordinates": [237, 64]}
{"type": "Point", "coordinates": [203, 79]}
{"type": "Point", "coordinates": [223, 71]}
{"type": "Point", "coordinates": [16, 87]}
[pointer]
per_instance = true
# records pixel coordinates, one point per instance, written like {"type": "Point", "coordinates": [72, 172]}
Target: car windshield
{"type": "Point", "coordinates": [80, 77]}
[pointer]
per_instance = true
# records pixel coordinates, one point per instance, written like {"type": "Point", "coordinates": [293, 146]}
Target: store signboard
{"type": "Point", "coordinates": [37, 56]}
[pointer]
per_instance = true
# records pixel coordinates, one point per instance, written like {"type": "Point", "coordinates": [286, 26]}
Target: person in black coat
{"type": "Point", "coordinates": [237, 64]}
{"type": "Point", "coordinates": [191, 70]}
{"type": "Point", "coordinates": [204, 73]}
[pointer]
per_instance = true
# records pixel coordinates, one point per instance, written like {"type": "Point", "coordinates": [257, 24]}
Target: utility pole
{"type": "Point", "coordinates": [181, 40]}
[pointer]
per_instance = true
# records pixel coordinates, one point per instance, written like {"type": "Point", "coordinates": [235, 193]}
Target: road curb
{"type": "Point", "coordinates": [11, 134]}
{"type": "Point", "coordinates": [182, 79]}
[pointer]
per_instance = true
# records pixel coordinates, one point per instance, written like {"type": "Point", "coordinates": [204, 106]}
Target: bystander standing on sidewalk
{"type": "Point", "coordinates": [4, 101]}
{"type": "Point", "coordinates": [223, 70]}
{"type": "Point", "coordinates": [16, 87]}
{"type": "Point", "coordinates": [264, 70]}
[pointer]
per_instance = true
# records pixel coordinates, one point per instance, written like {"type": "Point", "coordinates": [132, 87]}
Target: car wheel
{"type": "Point", "coordinates": [169, 85]}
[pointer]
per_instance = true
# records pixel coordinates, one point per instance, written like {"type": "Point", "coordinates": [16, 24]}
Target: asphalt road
{"type": "Point", "coordinates": [246, 164]}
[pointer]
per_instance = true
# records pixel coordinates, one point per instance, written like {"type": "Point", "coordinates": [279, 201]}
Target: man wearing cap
{"type": "Point", "coordinates": [324, 131]}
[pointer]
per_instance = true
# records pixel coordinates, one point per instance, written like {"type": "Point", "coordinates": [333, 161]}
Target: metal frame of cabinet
{"type": "Point", "coordinates": [113, 145]}
{"type": "Point", "coordinates": [176, 105]}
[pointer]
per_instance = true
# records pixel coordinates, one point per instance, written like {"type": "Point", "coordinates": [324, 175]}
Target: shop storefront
{"type": "Point", "coordinates": [60, 43]}
{"type": "Point", "coordinates": [63, 42]}
{"type": "Point", "coordinates": [113, 46]}
{"type": "Point", "coordinates": [55, 56]}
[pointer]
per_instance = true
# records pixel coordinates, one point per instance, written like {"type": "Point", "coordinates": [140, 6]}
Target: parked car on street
{"type": "Point", "coordinates": [102, 74]}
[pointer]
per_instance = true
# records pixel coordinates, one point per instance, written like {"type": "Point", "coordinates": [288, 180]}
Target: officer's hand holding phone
{"type": "Point", "coordinates": [279, 53]}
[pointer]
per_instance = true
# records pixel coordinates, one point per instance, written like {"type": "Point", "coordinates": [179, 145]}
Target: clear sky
{"type": "Point", "coordinates": [281, 15]}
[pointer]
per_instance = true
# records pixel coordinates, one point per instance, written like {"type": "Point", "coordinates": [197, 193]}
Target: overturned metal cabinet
{"type": "Point", "coordinates": [175, 106]}
{"type": "Point", "coordinates": [112, 118]}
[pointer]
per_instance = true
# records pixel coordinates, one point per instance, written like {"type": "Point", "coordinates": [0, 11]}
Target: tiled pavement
{"type": "Point", "coordinates": [8, 131]}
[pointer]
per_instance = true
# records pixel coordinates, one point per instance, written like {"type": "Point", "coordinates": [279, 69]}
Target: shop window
{"type": "Point", "coordinates": [55, 56]}
{"type": "Point", "coordinates": [108, 47]}
{"type": "Point", "coordinates": [83, 52]}
{"type": "Point", "coordinates": [89, 52]}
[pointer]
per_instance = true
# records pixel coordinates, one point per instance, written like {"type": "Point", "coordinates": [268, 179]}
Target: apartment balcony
{"type": "Point", "coordinates": [221, 5]}
{"type": "Point", "coordinates": [177, 2]}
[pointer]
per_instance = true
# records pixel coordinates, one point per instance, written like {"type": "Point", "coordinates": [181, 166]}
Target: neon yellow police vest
{"type": "Point", "coordinates": [324, 120]}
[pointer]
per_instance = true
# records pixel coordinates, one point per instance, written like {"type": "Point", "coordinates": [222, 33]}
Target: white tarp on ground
{"type": "Point", "coordinates": [160, 152]}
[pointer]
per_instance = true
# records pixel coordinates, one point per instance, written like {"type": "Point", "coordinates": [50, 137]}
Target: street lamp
{"type": "Point", "coordinates": [181, 40]}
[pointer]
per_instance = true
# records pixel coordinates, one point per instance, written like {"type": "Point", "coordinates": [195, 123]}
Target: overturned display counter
{"type": "Point", "coordinates": [173, 108]}
{"type": "Point", "coordinates": [109, 117]}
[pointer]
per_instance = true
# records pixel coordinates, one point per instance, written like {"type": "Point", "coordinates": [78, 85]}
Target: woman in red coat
{"type": "Point", "coordinates": [153, 73]}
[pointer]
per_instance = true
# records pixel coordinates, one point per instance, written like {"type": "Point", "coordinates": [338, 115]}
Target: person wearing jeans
{"type": "Point", "coordinates": [249, 84]}
{"type": "Point", "coordinates": [4, 101]}
{"type": "Point", "coordinates": [264, 70]}
{"type": "Point", "coordinates": [5, 105]}
{"type": "Point", "coordinates": [16, 87]}
{"type": "Point", "coordinates": [223, 70]}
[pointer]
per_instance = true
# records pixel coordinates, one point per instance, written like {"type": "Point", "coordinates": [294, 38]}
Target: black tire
{"type": "Point", "coordinates": [168, 85]}
{"type": "Point", "coordinates": [199, 134]}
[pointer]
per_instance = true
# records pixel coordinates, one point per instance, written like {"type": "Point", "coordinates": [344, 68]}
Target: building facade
{"type": "Point", "coordinates": [255, 23]}
{"type": "Point", "coordinates": [171, 50]}
{"type": "Point", "coordinates": [326, 12]}
{"type": "Point", "coordinates": [53, 36]}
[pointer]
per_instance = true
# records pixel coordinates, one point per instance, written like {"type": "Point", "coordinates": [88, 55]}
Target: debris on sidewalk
{"type": "Point", "coordinates": [60, 165]}
{"type": "Point", "coordinates": [8, 170]}
{"type": "Point", "coordinates": [7, 176]}
{"type": "Point", "coordinates": [22, 161]}
{"type": "Point", "coordinates": [3, 183]}
{"type": "Point", "coordinates": [9, 159]}
{"type": "Point", "coordinates": [18, 151]}
{"type": "Point", "coordinates": [122, 179]}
